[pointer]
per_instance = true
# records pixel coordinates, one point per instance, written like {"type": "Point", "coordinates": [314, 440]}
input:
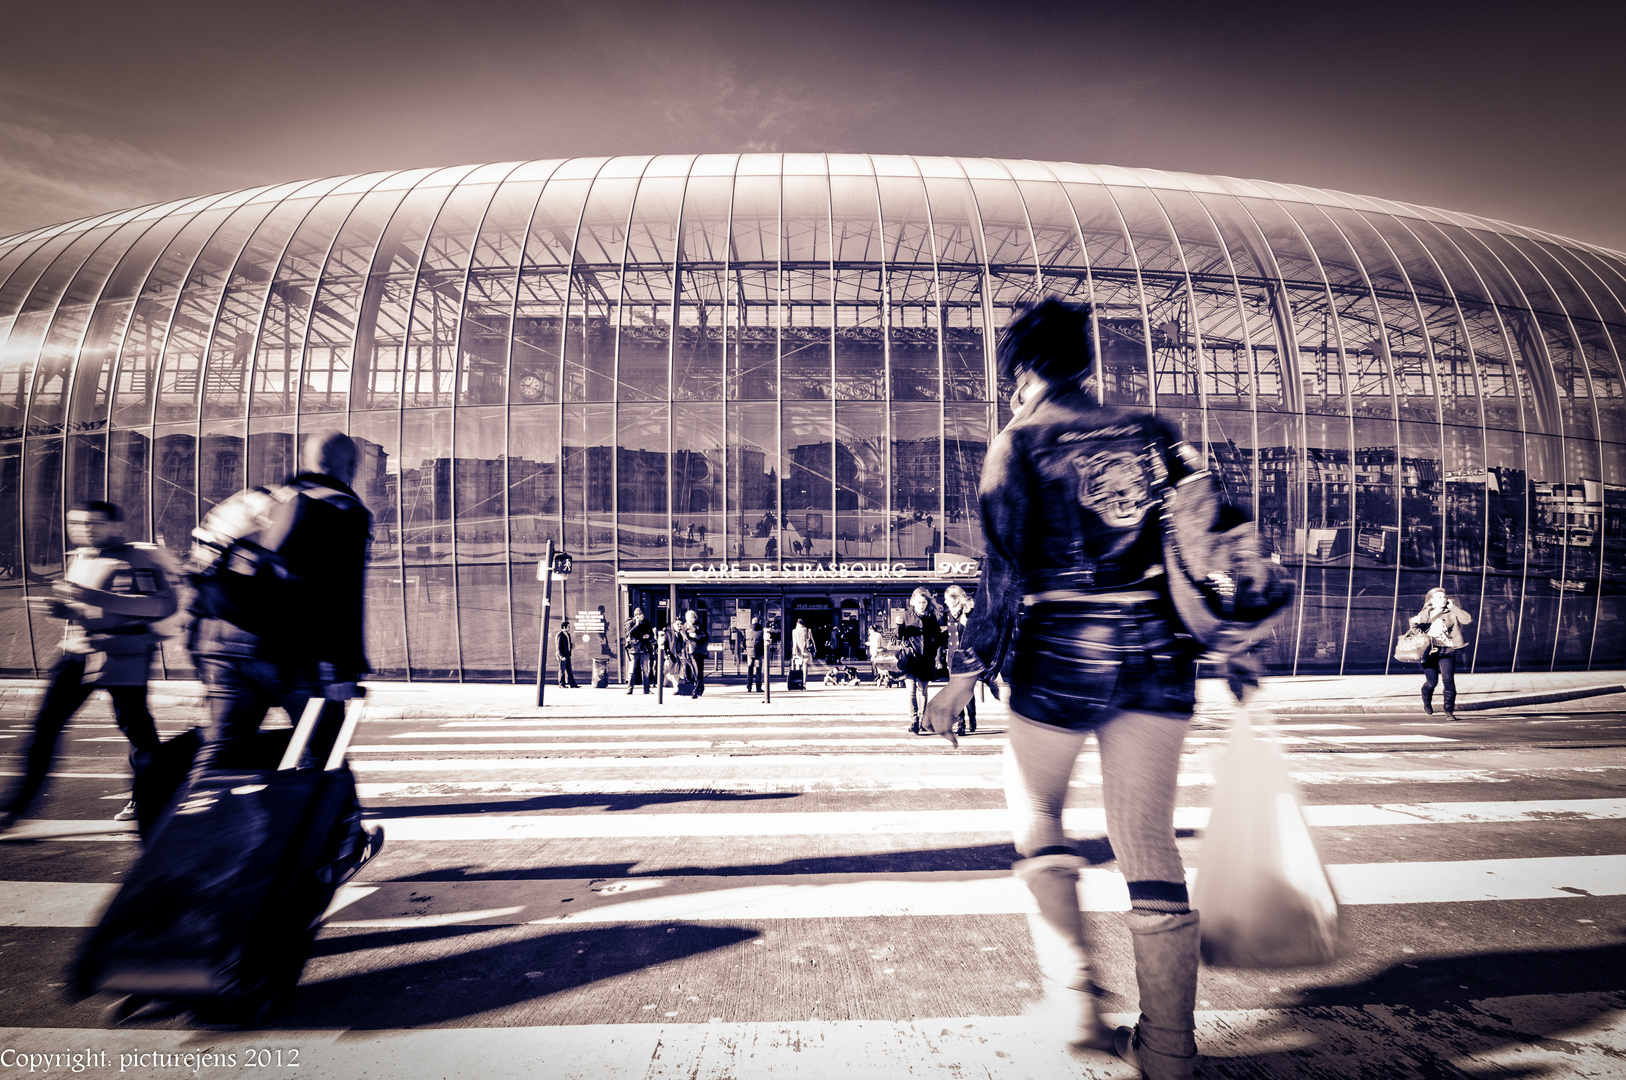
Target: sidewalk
{"type": "Point", "coordinates": [176, 702]}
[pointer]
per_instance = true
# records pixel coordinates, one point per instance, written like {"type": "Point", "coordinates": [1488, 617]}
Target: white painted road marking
{"type": "Point", "coordinates": [836, 896]}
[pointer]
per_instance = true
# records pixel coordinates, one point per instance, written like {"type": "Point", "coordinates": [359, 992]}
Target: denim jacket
{"type": "Point", "coordinates": [1070, 503]}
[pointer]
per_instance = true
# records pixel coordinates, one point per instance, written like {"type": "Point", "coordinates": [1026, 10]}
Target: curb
{"type": "Point", "coordinates": [1292, 708]}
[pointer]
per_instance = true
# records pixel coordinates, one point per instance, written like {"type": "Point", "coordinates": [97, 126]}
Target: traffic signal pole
{"type": "Point", "coordinates": [542, 638]}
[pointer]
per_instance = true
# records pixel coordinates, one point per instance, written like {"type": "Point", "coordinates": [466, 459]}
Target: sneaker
{"type": "Point", "coordinates": [128, 813]}
{"type": "Point", "coordinates": [372, 844]}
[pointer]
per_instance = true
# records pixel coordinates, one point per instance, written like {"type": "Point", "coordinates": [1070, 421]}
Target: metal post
{"type": "Point", "coordinates": [542, 639]}
{"type": "Point", "coordinates": [660, 663]}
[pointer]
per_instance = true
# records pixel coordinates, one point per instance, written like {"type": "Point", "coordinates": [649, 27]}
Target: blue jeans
{"type": "Point", "coordinates": [63, 696]}
{"type": "Point", "coordinates": [243, 684]}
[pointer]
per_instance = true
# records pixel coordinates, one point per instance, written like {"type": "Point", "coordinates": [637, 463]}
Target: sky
{"type": "Point", "coordinates": [1511, 111]}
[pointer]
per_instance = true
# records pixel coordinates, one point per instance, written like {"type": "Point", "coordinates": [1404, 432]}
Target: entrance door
{"type": "Point", "coordinates": [816, 612]}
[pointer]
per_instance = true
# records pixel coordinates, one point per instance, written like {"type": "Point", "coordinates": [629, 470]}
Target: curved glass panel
{"type": "Point", "coordinates": [664, 364]}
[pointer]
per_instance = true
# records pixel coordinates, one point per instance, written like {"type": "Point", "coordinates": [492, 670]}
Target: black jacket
{"type": "Point", "coordinates": [564, 644]}
{"type": "Point", "coordinates": [920, 637]}
{"type": "Point", "coordinates": [1070, 502]}
{"type": "Point", "coordinates": [314, 614]}
{"type": "Point", "coordinates": [753, 644]}
{"type": "Point", "coordinates": [641, 635]}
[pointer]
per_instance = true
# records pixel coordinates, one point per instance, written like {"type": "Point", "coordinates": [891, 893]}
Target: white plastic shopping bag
{"type": "Point", "coordinates": [1264, 897]}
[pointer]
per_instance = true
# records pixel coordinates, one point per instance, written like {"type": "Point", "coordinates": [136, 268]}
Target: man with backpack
{"type": "Point", "coordinates": [279, 578]}
{"type": "Point", "coordinates": [110, 596]}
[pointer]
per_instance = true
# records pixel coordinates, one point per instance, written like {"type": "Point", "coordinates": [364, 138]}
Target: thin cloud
{"type": "Point", "coordinates": [51, 172]}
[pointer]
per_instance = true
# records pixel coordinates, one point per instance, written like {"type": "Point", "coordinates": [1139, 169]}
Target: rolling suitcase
{"type": "Point", "coordinates": [796, 677]}
{"type": "Point", "coordinates": [221, 910]}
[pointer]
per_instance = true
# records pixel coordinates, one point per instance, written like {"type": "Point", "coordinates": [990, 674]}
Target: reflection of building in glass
{"type": "Point", "coordinates": [785, 360]}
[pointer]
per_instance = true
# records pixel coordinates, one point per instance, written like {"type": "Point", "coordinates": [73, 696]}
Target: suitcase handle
{"type": "Point", "coordinates": [307, 728]}
{"type": "Point", "coordinates": [352, 716]}
{"type": "Point", "coordinates": [302, 734]}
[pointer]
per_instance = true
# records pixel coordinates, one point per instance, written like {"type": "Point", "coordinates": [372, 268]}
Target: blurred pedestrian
{"type": "Point", "coordinates": [566, 645]}
{"type": "Point", "coordinates": [109, 598]}
{"type": "Point", "coordinates": [920, 637]}
{"type": "Point", "coordinates": [279, 609]}
{"type": "Point", "coordinates": [1074, 543]}
{"type": "Point", "coordinates": [1442, 620]}
{"type": "Point", "coordinates": [640, 641]}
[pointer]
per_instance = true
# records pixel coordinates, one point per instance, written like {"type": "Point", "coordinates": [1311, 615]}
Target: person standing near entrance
{"type": "Point", "coordinates": [959, 610]}
{"type": "Point", "coordinates": [567, 675]}
{"type": "Point", "coordinates": [920, 636]}
{"type": "Point", "coordinates": [801, 648]}
{"type": "Point", "coordinates": [1442, 621]}
{"type": "Point", "coordinates": [640, 641]}
{"type": "Point", "coordinates": [694, 637]}
{"type": "Point", "coordinates": [754, 650]}
{"type": "Point", "coordinates": [109, 597]}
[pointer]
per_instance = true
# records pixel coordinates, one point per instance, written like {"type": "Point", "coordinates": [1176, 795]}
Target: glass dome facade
{"type": "Point", "coordinates": [677, 365]}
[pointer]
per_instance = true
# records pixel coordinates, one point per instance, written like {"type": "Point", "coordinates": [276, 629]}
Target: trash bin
{"type": "Point", "coordinates": [601, 673]}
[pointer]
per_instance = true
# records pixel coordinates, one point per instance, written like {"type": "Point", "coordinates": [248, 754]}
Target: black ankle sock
{"type": "Point", "coordinates": [1159, 897]}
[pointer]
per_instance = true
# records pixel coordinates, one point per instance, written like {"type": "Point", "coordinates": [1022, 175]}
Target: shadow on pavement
{"type": "Point", "coordinates": [978, 857]}
{"type": "Point", "coordinates": [573, 802]}
{"type": "Point", "coordinates": [1450, 1017]}
{"type": "Point", "coordinates": [524, 967]}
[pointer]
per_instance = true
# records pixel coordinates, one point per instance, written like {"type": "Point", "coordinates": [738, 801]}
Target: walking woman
{"type": "Point", "coordinates": [1442, 621]}
{"type": "Point", "coordinates": [1074, 543]}
{"type": "Point", "coordinates": [920, 636]}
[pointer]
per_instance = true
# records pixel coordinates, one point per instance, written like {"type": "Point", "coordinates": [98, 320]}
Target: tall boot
{"type": "Point", "coordinates": [1428, 702]}
{"type": "Point", "coordinates": [1451, 702]}
{"type": "Point", "coordinates": [1163, 1044]}
{"type": "Point", "coordinates": [1058, 939]}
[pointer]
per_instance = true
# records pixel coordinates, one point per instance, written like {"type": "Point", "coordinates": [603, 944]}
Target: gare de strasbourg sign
{"type": "Point", "coordinates": [943, 566]}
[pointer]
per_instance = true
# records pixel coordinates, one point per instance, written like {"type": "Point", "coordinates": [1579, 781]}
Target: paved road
{"type": "Point", "coordinates": [717, 889]}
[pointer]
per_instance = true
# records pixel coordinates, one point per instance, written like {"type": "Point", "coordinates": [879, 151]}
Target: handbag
{"type": "Point", "coordinates": [1265, 898]}
{"type": "Point", "coordinates": [1412, 646]}
{"type": "Point", "coordinates": [1225, 591]}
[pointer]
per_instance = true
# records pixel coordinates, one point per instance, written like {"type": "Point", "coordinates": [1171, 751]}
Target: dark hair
{"type": "Point", "coordinates": [1050, 339]}
{"type": "Point", "coordinates": [756, 625]}
{"type": "Point", "coordinates": [97, 506]}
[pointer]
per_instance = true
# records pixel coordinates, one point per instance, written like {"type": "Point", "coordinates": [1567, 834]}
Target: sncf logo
{"type": "Point", "coordinates": [950, 566]}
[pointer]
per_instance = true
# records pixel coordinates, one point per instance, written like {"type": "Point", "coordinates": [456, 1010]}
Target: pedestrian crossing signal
{"type": "Point", "coordinates": [562, 563]}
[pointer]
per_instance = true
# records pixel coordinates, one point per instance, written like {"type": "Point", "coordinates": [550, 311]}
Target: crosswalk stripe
{"type": "Point", "coordinates": [752, 731]}
{"type": "Point", "coordinates": [460, 827]}
{"type": "Point", "coordinates": [948, 822]}
{"type": "Point", "coordinates": [814, 896]}
{"type": "Point", "coordinates": [670, 744]}
{"type": "Point", "coordinates": [434, 789]}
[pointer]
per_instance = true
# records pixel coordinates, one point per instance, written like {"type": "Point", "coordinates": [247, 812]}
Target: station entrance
{"type": "Point", "coordinates": [840, 614]}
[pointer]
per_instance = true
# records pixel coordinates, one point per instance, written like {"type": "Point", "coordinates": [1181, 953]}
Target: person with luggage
{"type": "Point", "coordinates": [640, 641]}
{"type": "Point", "coordinates": [109, 598]}
{"type": "Point", "coordinates": [1442, 620]}
{"type": "Point", "coordinates": [1074, 540]}
{"type": "Point", "coordinates": [754, 651]}
{"type": "Point", "coordinates": [567, 674]}
{"type": "Point", "coordinates": [801, 655]}
{"type": "Point", "coordinates": [693, 634]}
{"type": "Point", "coordinates": [279, 609]}
{"type": "Point", "coordinates": [920, 636]}
{"type": "Point", "coordinates": [959, 606]}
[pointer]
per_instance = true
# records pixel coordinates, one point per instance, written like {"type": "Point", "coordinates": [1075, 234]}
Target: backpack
{"type": "Point", "coordinates": [235, 562]}
{"type": "Point", "coordinates": [1226, 593]}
